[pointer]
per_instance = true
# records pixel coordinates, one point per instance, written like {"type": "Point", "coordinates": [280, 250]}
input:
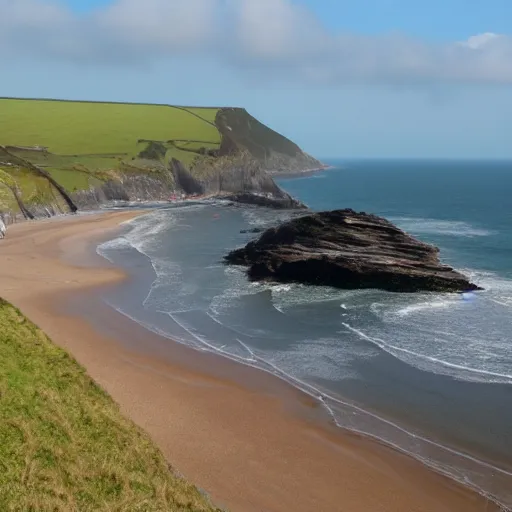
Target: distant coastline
{"type": "Point", "coordinates": [300, 174]}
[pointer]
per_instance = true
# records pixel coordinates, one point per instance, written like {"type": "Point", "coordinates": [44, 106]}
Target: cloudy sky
{"type": "Point", "coordinates": [358, 78]}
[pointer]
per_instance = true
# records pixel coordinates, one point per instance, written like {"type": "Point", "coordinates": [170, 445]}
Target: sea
{"type": "Point", "coordinates": [429, 374]}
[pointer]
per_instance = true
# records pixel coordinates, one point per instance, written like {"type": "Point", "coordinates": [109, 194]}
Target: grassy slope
{"type": "Point", "coordinates": [64, 445]}
{"type": "Point", "coordinates": [33, 189]}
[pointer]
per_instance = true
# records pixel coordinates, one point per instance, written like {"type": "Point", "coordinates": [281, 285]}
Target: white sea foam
{"type": "Point", "coordinates": [105, 249]}
{"type": "Point", "coordinates": [261, 218]}
{"type": "Point", "coordinates": [156, 330]}
{"type": "Point", "coordinates": [209, 344]}
{"type": "Point", "coordinates": [440, 227]}
{"type": "Point", "coordinates": [430, 363]}
{"type": "Point", "coordinates": [293, 295]}
{"type": "Point", "coordinates": [143, 232]}
{"type": "Point", "coordinates": [280, 288]}
{"type": "Point", "coordinates": [229, 327]}
{"type": "Point", "coordinates": [423, 306]}
{"type": "Point", "coordinates": [497, 289]}
{"type": "Point", "coordinates": [426, 330]}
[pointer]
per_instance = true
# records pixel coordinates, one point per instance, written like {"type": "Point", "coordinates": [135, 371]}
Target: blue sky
{"type": "Point", "coordinates": [372, 78]}
{"type": "Point", "coordinates": [437, 20]}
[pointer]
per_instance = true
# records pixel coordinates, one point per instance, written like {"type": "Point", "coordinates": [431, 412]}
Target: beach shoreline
{"type": "Point", "coordinates": [250, 440]}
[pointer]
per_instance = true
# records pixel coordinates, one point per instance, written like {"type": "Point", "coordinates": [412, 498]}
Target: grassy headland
{"type": "Point", "coordinates": [64, 445]}
{"type": "Point", "coordinates": [99, 151]}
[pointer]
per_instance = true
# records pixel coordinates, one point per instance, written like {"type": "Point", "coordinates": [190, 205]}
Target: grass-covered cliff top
{"type": "Point", "coordinates": [96, 133]}
{"type": "Point", "coordinates": [64, 446]}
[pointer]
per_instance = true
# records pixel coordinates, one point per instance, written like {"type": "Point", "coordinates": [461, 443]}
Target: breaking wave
{"type": "Point", "coordinates": [440, 227]}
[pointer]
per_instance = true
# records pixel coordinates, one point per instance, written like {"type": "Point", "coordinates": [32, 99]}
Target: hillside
{"type": "Point", "coordinates": [98, 152]}
{"type": "Point", "coordinates": [64, 444]}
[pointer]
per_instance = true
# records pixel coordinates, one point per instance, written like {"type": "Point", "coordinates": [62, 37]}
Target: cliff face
{"type": "Point", "coordinates": [130, 152]}
{"type": "Point", "coordinates": [345, 249]}
{"type": "Point", "coordinates": [238, 178]}
{"type": "Point", "coordinates": [242, 132]}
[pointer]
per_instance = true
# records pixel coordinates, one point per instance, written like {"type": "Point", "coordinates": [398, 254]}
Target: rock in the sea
{"type": "Point", "coordinates": [346, 249]}
{"type": "Point", "coordinates": [281, 201]}
{"type": "Point", "coordinates": [252, 231]}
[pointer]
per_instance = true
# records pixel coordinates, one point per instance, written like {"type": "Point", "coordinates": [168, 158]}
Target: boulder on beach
{"type": "Point", "coordinates": [349, 250]}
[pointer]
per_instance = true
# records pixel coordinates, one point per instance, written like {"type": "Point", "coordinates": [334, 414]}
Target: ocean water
{"type": "Point", "coordinates": [430, 374]}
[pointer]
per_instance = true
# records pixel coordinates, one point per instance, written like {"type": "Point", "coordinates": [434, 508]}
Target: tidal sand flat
{"type": "Point", "coordinates": [252, 441]}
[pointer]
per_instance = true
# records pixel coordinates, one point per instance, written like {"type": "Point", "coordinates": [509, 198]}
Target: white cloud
{"type": "Point", "coordinates": [480, 40]}
{"type": "Point", "coordinates": [160, 25]}
{"type": "Point", "coordinates": [273, 30]}
{"type": "Point", "coordinates": [276, 38]}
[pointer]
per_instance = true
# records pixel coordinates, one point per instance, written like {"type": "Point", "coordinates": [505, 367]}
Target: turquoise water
{"type": "Point", "coordinates": [430, 374]}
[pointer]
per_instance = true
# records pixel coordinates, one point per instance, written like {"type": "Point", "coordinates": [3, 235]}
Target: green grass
{"type": "Point", "coordinates": [69, 128]}
{"type": "Point", "coordinates": [206, 113]}
{"type": "Point", "coordinates": [33, 189]}
{"type": "Point", "coordinates": [72, 180]}
{"type": "Point", "coordinates": [64, 446]}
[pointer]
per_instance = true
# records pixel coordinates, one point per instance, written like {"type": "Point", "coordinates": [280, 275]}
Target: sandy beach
{"type": "Point", "coordinates": [249, 440]}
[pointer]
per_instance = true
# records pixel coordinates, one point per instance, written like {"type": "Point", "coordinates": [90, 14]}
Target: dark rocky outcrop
{"type": "Point", "coordinates": [184, 179]}
{"type": "Point", "coordinates": [153, 151]}
{"type": "Point", "coordinates": [346, 249]}
{"type": "Point", "coordinates": [128, 188]}
{"type": "Point", "coordinates": [252, 231]}
{"type": "Point", "coordinates": [279, 202]}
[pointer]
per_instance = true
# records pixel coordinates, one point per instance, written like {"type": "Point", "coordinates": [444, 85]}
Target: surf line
{"type": "Point", "coordinates": [387, 347]}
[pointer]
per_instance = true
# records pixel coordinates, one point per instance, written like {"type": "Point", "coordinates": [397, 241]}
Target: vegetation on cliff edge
{"type": "Point", "coordinates": [64, 446]}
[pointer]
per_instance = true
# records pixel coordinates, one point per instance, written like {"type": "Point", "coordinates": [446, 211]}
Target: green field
{"type": "Point", "coordinates": [81, 128]}
{"type": "Point", "coordinates": [64, 446]}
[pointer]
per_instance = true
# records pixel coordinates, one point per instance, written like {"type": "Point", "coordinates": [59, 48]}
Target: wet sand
{"type": "Point", "coordinates": [251, 441]}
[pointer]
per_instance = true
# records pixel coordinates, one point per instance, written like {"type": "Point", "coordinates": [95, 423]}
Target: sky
{"type": "Point", "coordinates": [343, 79]}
